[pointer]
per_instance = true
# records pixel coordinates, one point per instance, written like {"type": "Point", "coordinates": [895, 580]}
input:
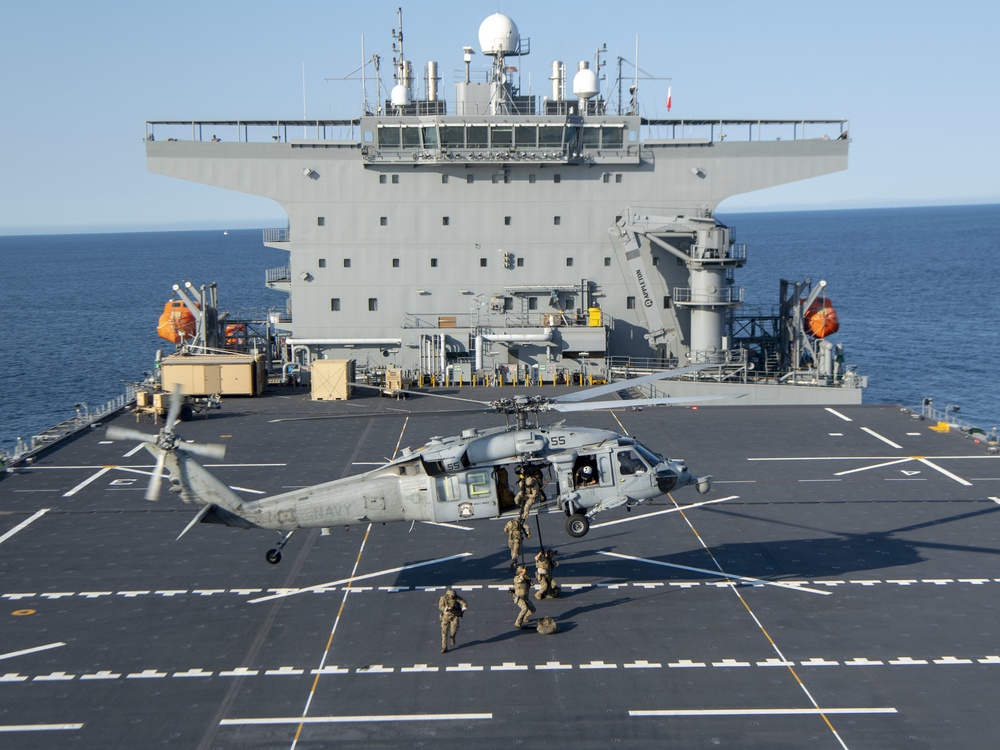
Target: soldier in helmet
{"type": "Point", "coordinates": [585, 475]}
{"type": "Point", "coordinates": [531, 482]}
{"type": "Point", "coordinates": [520, 592]}
{"type": "Point", "coordinates": [452, 608]}
{"type": "Point", "coordinates": [544, 563]}
{"type": "Point", "coordinates": [516, 531]}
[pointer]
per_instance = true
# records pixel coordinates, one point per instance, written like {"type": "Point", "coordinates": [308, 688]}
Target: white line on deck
{"type": "Point", "coordinates": [763, 711]}
{"type": "Point", "coordinates": [643, 516]}
{"type": "Point", "coordinates": [85, 482]}
{"type": "Point", "coordinates": [716, 573]}
{"type": "Point", "coordinates": [885, 440]}
{"type": "Point", "coordinates": [38, 727]}
{"type": "Point", "coordinates": [324, 586]}
{"type": "Point", "coordinates": [836, 413]}
{"type": "Point", "coordinates": [354, 719]}
{"type": "Point", "coordinates": [22, 652]}
{"type": "Point", "coordinates": [945, 472]}
{"type": "Point", "coordinates": [23, 524]}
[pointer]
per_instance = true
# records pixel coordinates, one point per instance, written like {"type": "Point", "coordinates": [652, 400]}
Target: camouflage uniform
{"type": "Point", "coordinates": [521, 590]}
{"type": "Point", "coordinates": [531, 483]}
{"type": "Point", "coordinates": [516, 531]}
{"type": "Point", "coordinates": [452, 606]}
{"type": "Point", "coordinates": [544, 564]}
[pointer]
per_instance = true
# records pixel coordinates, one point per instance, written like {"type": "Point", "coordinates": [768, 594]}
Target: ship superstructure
{"type": "Point", "coordinates": [502, 233]}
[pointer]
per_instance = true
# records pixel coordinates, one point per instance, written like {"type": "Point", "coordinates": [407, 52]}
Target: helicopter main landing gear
{"type": "Point", "coordinates": [577, 525]}
{"type": "Point", "coordinates": [273, 556]}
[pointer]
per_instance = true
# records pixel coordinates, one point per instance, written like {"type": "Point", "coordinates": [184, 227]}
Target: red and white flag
{"type": "Point", "coordinates": [670, 99]}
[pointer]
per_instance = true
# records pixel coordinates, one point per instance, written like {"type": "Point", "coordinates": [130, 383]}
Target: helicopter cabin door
{"type": "Point", "coordinates": [465, 495]}
{"type": "Point", "coordinates": [592, 476]}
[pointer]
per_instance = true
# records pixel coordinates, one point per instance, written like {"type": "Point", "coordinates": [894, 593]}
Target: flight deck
{"type": "Point", "coordinates": [837, 588]}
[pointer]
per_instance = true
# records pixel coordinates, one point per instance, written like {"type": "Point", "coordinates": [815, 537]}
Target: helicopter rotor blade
{"type": "Point", "coordinates": [153, 490]}
{"type": "Point", "coordinates": [599, 405]}
{"type": "Point", "coordinates": [602, 390]}
{"type": "Point", "coordinates": [421, 393]}
{"type": "Point", "coordinates": [214, 451]}
{"type": "Point", "coordinates": [176, 402]}
{"type": "Point", "coordinates": [125, 433]}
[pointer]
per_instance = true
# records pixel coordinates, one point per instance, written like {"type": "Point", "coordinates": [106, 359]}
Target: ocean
{"type": "Point", "coordinates": [913, 288]}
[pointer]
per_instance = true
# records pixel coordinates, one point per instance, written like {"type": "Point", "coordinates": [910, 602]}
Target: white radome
{"type": "Point", "coordinates": [498, 34]}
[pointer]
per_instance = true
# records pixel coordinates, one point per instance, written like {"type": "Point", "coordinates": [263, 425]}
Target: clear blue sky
{"type": "Point", "coordinates": [916, 79]}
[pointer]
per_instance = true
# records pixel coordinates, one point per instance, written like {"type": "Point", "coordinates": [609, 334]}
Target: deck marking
{"type": "Point", "coordinates": [348, 581]}
{"type": "Point", "coordinates": [35, 649]}
{"type": "Point", "coordinates": [884, 439]}
{"type": "Point", "coordinates": [836, 413]}
{"type": "Point", "coordinates": [23, 524]}
{"type": "Point", "coordinates": [765, 633]}
{"type": "Point", "coordinates": [329, 643]}
{"type": "Point", "coordinates": [85, 482]}
{"type": "Point", "coordinates": [448, 525]}
{"type": "Point", "coordinates": [762, 712]}
{"type": "Point", "coordinates": [872, 466]}
{"type": "Point", "coordinates": [944, 471]}
{"type": "Point", "coordinates": [643, 516]}
{"type": "Point", "coordinates": [995, 499]}
{"type": "Point", "coordinates": [757, 581]}
{"type": "Point", "coordinates": [38, 727]}
{"type": "Point", "coordinates": [302, 720]}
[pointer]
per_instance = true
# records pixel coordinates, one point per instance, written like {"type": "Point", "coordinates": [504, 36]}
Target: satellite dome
{"type": "Point", "coordinates": [400, 95]}
{"type": "Point", "coordinates": [498, 34]}
{"type": "Point", "coordinates": [585, 84]}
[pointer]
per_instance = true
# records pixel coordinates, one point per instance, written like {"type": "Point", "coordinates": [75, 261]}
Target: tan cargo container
{"type": "Point", "coordinates": [205, 375]}
{"type": "Point", "coordinates": [331, 379]}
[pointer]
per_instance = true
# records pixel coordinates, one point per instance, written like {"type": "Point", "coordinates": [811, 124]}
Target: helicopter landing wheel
{"type": "Point", "coordinates": [577, 525]}
{"type": "Point", "coordinates": [273, 556]}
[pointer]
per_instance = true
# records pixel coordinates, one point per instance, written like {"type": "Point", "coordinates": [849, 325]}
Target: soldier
{"type": "Point", "coordinates": [452, 608]}
{"type": "Point", "coordinates": [516, 531]}
{"type": "Point", "coordinates": [544, 563]}
{"type": "Point", "coordinates": [531, 482]}
{"type": "Point", "coordinates": [520, 592]}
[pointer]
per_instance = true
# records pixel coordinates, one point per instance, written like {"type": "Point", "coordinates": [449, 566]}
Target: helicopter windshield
{"type": "Point", "coordinates": [651, 457]}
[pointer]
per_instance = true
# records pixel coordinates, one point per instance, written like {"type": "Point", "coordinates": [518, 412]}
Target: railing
{"type": "Point", "coordinates": [947, 415]}
{"type": "Point", "coordinates": [277, 235]}
{"type": "Point", "coordinates": [282, 274]}
{"type": "Point", "coordinates": [85, 418]}
{"type": "Point", "coordinates": [285, 131]}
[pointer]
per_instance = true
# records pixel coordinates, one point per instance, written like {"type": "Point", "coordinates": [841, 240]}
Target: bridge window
{"type": "Point", "coordinates": [452, 136]}
{"type": "Point", "coordinates": [430, 138]}
{"type": "Point", "coordinates": [476, 136]}
{"type": "Point", "coordinates": [525, 136]}
{"type": "Point", "coordinates": [502, 136]}
{"type": "Point", "coordinates": [550, 135]}
{"type": "Point", "coordinates": [411, 137]}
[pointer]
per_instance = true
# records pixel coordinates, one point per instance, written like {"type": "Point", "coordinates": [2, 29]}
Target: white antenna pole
{"type": "Point", "coordinates": [636, 74]}
{"type": "Point", "coordinates": [364, 78]}
{"type": "Point", "coordinates": [304, 134]}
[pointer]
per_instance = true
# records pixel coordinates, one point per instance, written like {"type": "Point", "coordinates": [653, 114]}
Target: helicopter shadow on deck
{"type": "Point", "coordinates": [829, 554]}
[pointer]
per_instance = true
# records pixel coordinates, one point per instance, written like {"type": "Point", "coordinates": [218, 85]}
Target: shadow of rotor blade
{"type": "Point", "coordinates": [603, 390]}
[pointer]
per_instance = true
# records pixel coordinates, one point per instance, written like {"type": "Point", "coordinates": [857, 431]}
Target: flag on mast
{"type": "Point", "coordinates": [670, 99]}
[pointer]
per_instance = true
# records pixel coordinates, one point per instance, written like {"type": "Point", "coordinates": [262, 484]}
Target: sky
{"type": "Point", "coordinates": [916, 79]}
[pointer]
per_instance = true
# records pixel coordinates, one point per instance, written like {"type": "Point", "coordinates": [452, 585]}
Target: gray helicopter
{"type": "Point", "coordinates": [457, 478]}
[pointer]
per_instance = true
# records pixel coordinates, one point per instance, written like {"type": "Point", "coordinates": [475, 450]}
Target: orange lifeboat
{"type": "Point", "coordinates": [236, 334]}
{"type": "Point", "coordinates": [821, 319]}
{"type": "Point", "coordinates": [177, 323]}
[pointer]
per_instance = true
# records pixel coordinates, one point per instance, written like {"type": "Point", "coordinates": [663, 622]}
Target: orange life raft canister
{"type": "Point", "coordinates": [176, 323]}
{"type": "Point", "coordinates": [821, 319]}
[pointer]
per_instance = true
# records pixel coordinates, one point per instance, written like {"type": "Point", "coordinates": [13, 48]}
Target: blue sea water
{"type": "Point", "coordinates": [914, 288]}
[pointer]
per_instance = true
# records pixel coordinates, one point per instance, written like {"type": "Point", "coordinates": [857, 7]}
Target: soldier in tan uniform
{"type": "Point", "coordinates": [544, 563]}
{"type": "Point", "coordinates": [452, 607]}
{"type": "Point", "coordinates": [531, 482]}
{"type": "Point", "coordinates": [516, 531]}
{"type": "Point", "coordinates": [520, 592]}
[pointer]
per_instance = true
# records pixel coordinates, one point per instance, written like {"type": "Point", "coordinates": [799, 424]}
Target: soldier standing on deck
{"type": "Point", "coordinates": [516, 531]}
{"type": "Point", "coordinates": [452, 607]}
{"type": "Point", "coordinates": [544, 563]}
{"type": "Point", "coordinates": [520, 592]}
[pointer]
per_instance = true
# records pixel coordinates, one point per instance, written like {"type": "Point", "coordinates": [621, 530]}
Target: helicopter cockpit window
{"type": "Point", "coordinates": [629, 463]}
{"type": "Point", "coordinates": [652, 458]}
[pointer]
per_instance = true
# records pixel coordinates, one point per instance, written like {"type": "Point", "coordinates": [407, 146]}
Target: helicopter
{"type": "Point", "coordinates": [456, 478]}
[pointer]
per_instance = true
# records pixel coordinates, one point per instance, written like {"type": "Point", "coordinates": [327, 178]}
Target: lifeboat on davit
{"type": "Point", "coordinates": [821, 319]}
{"type": "Point", "coordinates": [177, 323]}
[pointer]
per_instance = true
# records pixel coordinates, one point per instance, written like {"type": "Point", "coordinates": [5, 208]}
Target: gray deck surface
{"type": "Point", "coordinates": [884, 632]}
